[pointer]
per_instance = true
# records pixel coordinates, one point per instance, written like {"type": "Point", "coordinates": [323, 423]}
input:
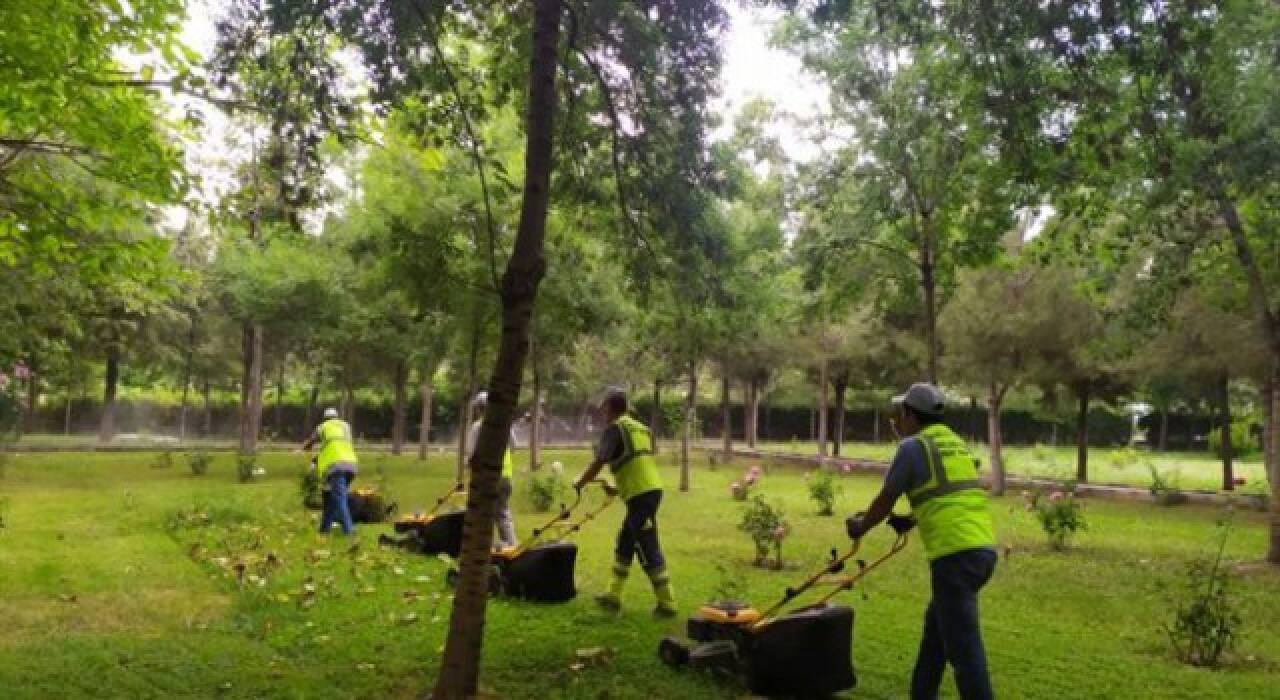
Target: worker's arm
{"type": "Point", "coordinates": [593, 470]}
{"type": "Point", "coordinates": [880, 509]}
{"type": "Point", "coordinates": [306, 445]}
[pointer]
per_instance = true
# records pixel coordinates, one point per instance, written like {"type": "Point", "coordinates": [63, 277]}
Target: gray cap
{"type": "Point", "coordinates": [330, 413]}
{"type": "Point", "coordinates": [924, 398]}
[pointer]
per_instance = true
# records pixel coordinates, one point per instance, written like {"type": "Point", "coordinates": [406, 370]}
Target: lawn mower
{"type": "Point", "coordinates": [542, 568]}
{"type": "Point", "coordinates": [432, 532]}
{"type": "Point", "coordinates": [806, 652]}
{"type": "Point", "coordinates": [367, 505]}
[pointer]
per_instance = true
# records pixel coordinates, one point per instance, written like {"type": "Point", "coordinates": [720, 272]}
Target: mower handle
{"type": "Point", "coordinates": [901, 524]}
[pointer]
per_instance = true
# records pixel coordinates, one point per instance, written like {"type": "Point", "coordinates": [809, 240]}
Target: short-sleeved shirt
{"type": "Point", "coordinates": [611, 447]}
{"type": "Point", "coordinates": [909, 469]}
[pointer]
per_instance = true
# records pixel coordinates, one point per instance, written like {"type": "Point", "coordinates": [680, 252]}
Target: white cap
{"type": "Point", "coordinates": [924, 398]}
{"type": "Point", "coordinates": [481, 399]}
{"type": "Point", "coordinates": [330, 413]}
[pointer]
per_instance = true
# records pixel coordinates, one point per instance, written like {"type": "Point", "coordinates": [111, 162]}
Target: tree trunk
{"type": "Point", "coordinates": [1271, 457]}
{"type": "Point", "coordinates": [207, 390]}
{"type": "Point", "coordinates": [1224, 414]}
{"type": "Point", "coordinates": [726, 420]}
{"type": "Point", "coordinates": [460, 666]}
{"type": "Point", "coordinates": [464, 412]}
{"type": "Point", "coordinates": [875, 424]}
{"type": "Point", "coordinates": [33, 398]}
{"type": "Point", "coordinates": [1163, 442]}
{"type": "Point", "coordinates": [690, 421]}
{"type": "Point", "coordinates": [822, 409]}
{"type": "Point", "coordinates": [399, 411]}
{"type": "Point", "coordinates": [251, 389]}
{"type": "Point", "coordinates": [1082, 433]}
{"type": "Point", "coordinates": [107, 425]}
{"type": "Point", "coordinates": [928, 284]}
{"type": "Point", "coordinates": [973, 419]}
{"type": "Point", "coordinates": [994, 440]}
{"type": "Point", "coordinates": [655, 414]}
{"type": "Point", "coordinates": [66, 413]}
{"type": "Point", "coordinates": [424, 426]}
{"type": "Point", "coordinates": [838, 439]}
{"type": "Point", "coordinates": [278, 419]}
{"type": "Point", "coordinates": [753, 412]}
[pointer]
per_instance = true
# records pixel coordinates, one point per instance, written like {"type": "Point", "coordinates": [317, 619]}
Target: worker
{"type": "Point", "coordinates": [336, 466]}
{"type": "Point", "coordinates": [505, 522]}
{"type": "Point", "coordinates": [939, 476]}
{"type": "Point", "coordinates": [626, 445]}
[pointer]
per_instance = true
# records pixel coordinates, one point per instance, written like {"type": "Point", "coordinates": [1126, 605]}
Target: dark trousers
{"type": "Point", "coordinates": [639, 533]}
{"type": "Point", "coordinates": [336, 507]}
{"type": "Point", "coordinates": [952, 631]}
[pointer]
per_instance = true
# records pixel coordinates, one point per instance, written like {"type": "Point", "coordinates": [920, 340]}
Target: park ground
{"type": "Point", "coordinates": [119, 580]}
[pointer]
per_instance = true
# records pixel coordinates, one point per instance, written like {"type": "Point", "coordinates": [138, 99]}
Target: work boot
{"type": "Point", "coordinates": [611, 599]}
{"type": "Point", "coordinates": [609, 602]}
{"type": "Point", "coordinates": [666, 606]}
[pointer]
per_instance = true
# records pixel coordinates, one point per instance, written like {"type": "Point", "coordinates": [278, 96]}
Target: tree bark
{"type": "Point", "coordinates": [66, 413]}
{"type": "Point", "coordinates": [251, 389]}
{"type": "Point", "coordinates": [399, 411]}
{"type": "Point", "coordinates": [726, 420]}
{"type": "Point", "coordinates": [313, 397]}
{"type": "Point", "coordinates": [107, 425]}
{"type": "Point", "coordinates": [460, 666]}
{"type": "Point", "coordinates": [1224, 416]}
{"type": "Point", "coordinates": [928, 283]}
{"type": "Point", "coordinates": [33, 398]}
{"type": "Point", "coordinates": [207, 391]}
{"type": "Point", "coordinates": [822, 409]}
{"type": "Point", "coordinates": [278, 419]}
{"type": "Point", "coordinates": [1082, 432]}
{"type": "Point", "coordinates": [842, 385]}
{"type": "Point", "coordinates": [875, 424]}
{"type": "Point", "coordinates": [1271, 457]}
{"type": "Point", "coordinates": [424, 426]}
{"type": "Point", "coordinates": [690, 421]}
{"type": "Point", "coordinates": [995, 397]}
{"type": "Point", "coordinates": [753, 412]}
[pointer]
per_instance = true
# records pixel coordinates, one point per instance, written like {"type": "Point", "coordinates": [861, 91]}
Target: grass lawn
{"type": "Point", "coordinates": [1190, 470]}
{"type": "Point", "coordinates": [111, 587]}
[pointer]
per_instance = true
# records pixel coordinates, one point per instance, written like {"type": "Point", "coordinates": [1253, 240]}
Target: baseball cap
{"type": "Point", "coordinates": [922, 397]}
{"type": "Point", "coordinates": [330, 413]}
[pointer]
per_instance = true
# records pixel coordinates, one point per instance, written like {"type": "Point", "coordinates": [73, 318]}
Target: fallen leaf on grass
{"type": "Point", "coordinates": [321, 639]}
{"type": "Point", "coordinates": [409, 618]}
{"type": "Point", "coordinates": [69, 598]}
{"type": "Point", "coordinates": [422, 579]}
{"type": "Point", "coordinates": [365, 667]}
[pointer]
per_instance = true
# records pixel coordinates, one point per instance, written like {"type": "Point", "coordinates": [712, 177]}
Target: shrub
{"type": "Point", "coordinates": [767, 527]}
{"type": "Point", "coordinates": [1205, 621]}
{"type": "Point", "coordinates": [4, 510]}
{"type": "Point", "coordinates": [246, 468]}
{"type": "Point", "coordinates": [1059, 513]}
{"type": "Point", "coordinates": [1243, 442]}
{"type": "Point", "coordinates": [309, 489]}
{"type": "Point", "coordinates": [163, 460]}
{"type": "Point", "coordinates": [546, 489]}
{"type": "Point", "coordinates": [823, 489]}
{"type": "Point", "coordinates": [1125, 457]}
{"type": "Point", "coordinates": [198, 462]}
{"type": "Point", "coordinates": [1164, 486]}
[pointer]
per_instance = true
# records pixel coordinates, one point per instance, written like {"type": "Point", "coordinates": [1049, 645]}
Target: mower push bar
{"type": "Point", "coordinates": [458, 488]}
{"type": "Point", "coordinates": [558, 523]}
{"type": "Point", "coordinates": [901, 524]}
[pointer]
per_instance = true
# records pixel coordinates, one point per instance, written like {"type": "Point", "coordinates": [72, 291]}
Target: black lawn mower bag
{"type": "Point", "coordinates": [542, 574]}
{"type": "Point", "coordinates": [808, 652]}
{"type": "Point", "coordinates": [437, 534]}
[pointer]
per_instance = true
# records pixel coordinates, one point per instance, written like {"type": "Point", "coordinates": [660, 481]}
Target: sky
{"type": "Point", "coordinates": [752, 68]}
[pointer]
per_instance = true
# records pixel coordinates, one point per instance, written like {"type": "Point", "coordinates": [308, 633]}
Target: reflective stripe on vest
{"type": "Point", "coordinates": [335, 445]}
{"type": "Point", "coordinates": [635, 470]}
{"type": "Point", "coordinates": [951, 508]}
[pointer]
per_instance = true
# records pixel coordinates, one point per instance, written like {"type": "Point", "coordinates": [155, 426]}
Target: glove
{"type": "Point", "coordinates": [609, 489]}
{"type": "Point", "coordinates": [855, 527]}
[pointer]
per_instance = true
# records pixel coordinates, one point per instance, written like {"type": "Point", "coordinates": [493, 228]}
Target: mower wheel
{"type": "Point", "coordinates": [674, 652]}
{"type": "Point", "coordinates": [720, 656]}
{"type": "Point", "coordinates": [495, 581]}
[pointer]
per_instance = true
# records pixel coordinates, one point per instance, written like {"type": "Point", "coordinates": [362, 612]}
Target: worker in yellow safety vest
{"type": "Point", "coordinates": [938, 474]}
{"type": "Point", "coordinates": [626, 445]}
{"type": "Point", "coordinates": [506, 523]}
{"type": "Point", "coordinates": [336, 465]}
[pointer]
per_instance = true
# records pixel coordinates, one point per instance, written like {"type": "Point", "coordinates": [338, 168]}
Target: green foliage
{"type": "Point", "coordinates": [1059, 513]}
{"type": "Point", "coordinates": [728, 586]}
{"type": "Point", "coordinates": [547, 488]}
{"type": "Point", "coordinates": [766, 525]}
{"type": "Point", "coordinates": [163, 460]}
{"type": "Point", "coordinates": [1243, 441]}
{"type": "Point", "coordinates": [198, 462]}
{"type": "Point", "coordinates": [823, 490]}
{"type": "Point", "coordinates": [1206, 618]}
{"type": "Point", "coordinates": [1164, 486]}
{"type": "Point", "coordinates": [309, 489]}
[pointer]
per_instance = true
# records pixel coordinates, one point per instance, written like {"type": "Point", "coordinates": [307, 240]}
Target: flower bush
{"type": "Point", "coordinates": [1060, 515]}
{"type": "Point", "coordinates": [1206, 620]}
{"type": "Point", "coordinates": [767, 526]}
{"type": "Point", "coordinates": [742, 488]}
{"type": "Point", "coordinates": [10, 411]}
{"type": "Point", "coordinates": [547, 488]}
{"type": "Point", "coordinates": [823, 489]}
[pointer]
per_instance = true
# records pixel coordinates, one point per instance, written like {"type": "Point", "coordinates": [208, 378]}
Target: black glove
{"type": "Point", "coordinates": [855, 527]}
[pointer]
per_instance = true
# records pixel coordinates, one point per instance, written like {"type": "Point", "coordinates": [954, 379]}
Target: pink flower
{"type": "Point", "coordinates": [780, 532]}
{"type": "Point", "coordinates": [1055, 497]}
{"type": "Point", "coordinates": [751, 480]}
{"type": "Point", "coordinates": [735, 486]}
{"type": "Point", "coordinates": [21, 372]}
{"type": "Point", "coordinates": [4, 381]}
{"type": "Point", "coordinates": [846, 467]}
{"type": "Point", "coordinates": [754, 470]}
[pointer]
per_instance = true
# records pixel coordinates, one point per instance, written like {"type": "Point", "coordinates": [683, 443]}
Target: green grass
{"type": "Point", "coordinates": [107, 591]}
{"type": "Point", "coordinates": [1192, 470]}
